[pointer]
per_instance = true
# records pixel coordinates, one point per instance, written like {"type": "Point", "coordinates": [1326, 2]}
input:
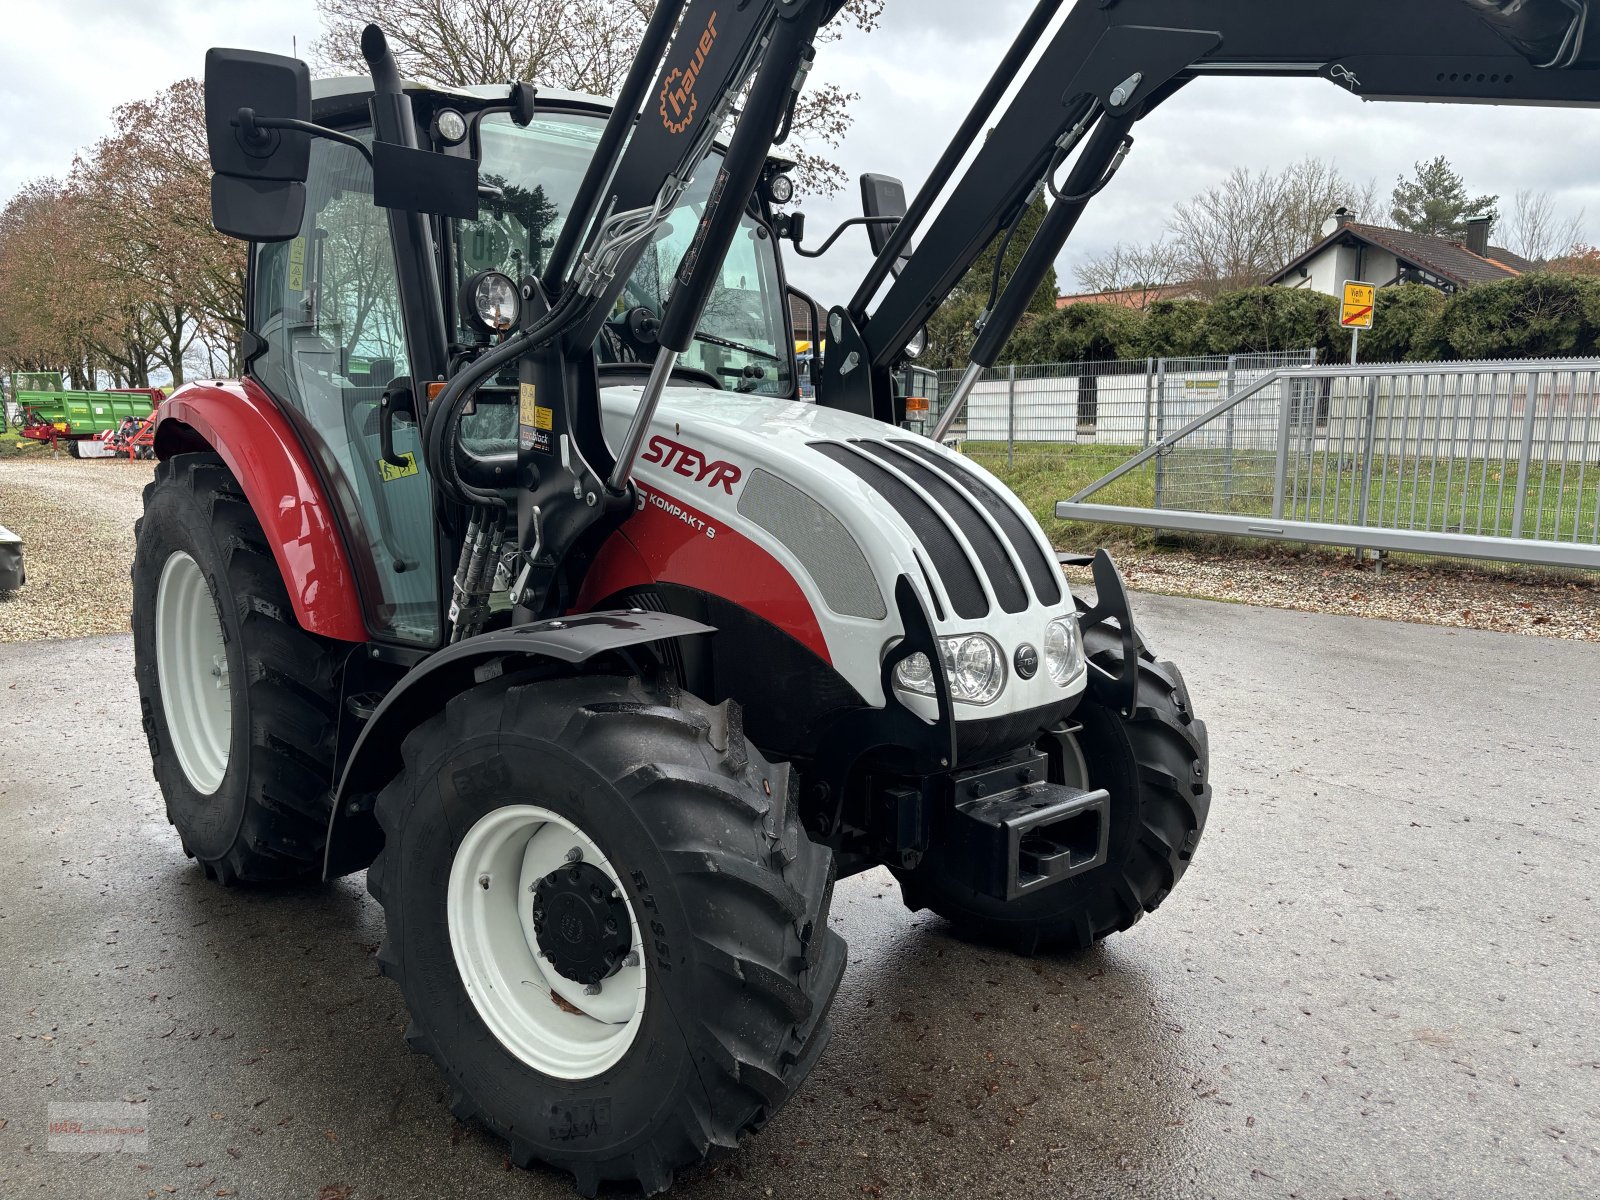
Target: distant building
{"type": "Point", "coordinates": [1141, 297]}
{"type": "Point", "coordinates": [1352, 251]}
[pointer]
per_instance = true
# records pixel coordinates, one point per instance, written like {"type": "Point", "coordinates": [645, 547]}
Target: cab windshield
{"type": "Point", "coordinates": [535, 171]}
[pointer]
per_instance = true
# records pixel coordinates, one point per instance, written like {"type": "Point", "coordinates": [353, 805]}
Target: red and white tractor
{"type": "Point", "coordinates": [517, 572]}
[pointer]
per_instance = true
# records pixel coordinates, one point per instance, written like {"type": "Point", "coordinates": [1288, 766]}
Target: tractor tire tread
{"type": "Point", "coordinates": [763, 997]}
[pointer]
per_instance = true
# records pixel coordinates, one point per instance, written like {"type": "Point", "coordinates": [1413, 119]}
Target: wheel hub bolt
{"type": "Point", "coordinates": [592, 989]}
{"type": "Point", "coordinates": [483, 882]}
{"type": "Point", "coordinates": [575, 854]}
{"type": "Point", "coordinates": [632, 960]}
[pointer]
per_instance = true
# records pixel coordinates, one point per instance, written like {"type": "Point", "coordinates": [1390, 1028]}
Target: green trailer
{"type": "Point", "coordinates": [52, 413]}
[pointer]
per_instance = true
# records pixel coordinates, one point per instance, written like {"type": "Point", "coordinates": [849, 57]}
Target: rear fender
{"type": "Point", "coordinates": [240, 422]}
{"type": "Point", "coordinates": [354, 838]}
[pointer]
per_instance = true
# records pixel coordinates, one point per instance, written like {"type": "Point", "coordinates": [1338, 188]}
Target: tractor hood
{"type": "Point", "coordinates": [845, 506]}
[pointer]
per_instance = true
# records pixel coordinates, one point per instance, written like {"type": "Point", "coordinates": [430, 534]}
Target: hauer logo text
{"type": "Point", "coordinates": [678, 101]}
{"type": "Point", "coordinates": [691, 464]}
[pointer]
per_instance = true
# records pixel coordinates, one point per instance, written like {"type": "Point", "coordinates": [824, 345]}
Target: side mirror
{"type": "Point", "coordinates": [258, 190]}
{"type": "Point", "coordinates": [884, 196]}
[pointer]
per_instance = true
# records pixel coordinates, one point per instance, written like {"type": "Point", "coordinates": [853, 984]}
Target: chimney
{"type": "Point", "coordinates": [1341, 217]}
{"type": "Point", "coordinates": [1478, 235]}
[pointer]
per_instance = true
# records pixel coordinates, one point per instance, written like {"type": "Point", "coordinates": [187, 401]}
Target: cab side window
{"type": "Point", "coordinates": [328, 307]}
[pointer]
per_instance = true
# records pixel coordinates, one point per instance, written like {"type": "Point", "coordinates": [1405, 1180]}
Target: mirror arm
{"type": "Point", "coordinates": [839, 233]}
{"type": "Point", "coordinates": [250, 125]}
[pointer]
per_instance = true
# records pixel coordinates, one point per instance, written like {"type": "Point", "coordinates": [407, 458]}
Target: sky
{"type": "Point", "coordinates": [64, 67]}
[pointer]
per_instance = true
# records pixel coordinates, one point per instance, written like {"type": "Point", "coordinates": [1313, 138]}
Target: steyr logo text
{"type": "Point", "coordinates": [691, 464]}
{"type": "Point", "coordinates": [678, 101]}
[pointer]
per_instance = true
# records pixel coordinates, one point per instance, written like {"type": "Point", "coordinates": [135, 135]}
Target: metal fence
{"type": "Point", "coordinates": [1495, 460]}
{"type": "Point", "coordinates": [1055, 410]}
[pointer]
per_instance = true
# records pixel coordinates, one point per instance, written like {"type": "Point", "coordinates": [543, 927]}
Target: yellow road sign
{"type": "Point", "coordinates": [1359, 302]}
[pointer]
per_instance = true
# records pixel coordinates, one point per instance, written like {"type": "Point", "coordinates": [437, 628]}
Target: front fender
{"type": "Point", "coordinates": [240, 422]}
{"type": "Point", "coordinates": [354, 838]}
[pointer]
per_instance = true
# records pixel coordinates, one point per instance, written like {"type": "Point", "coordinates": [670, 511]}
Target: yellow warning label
{"type": "Point", "coordinates": [544, 418]}
{"type": "Point", "coordinates": [389, 472]}
{"type": "Point", "coordinates": [297, 265]}
{"type": "Point", "coordinates": [529, 404]}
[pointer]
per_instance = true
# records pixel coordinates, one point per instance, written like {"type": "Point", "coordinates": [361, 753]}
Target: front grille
{"type": "Point", "coordinates": [950, 561]}
{"type": "Point", "coordinates": [1042, 570]}
{"type": "Point", "coordinates": [991, 552]}
{"type": "Point", "coordinates": [814, 535]}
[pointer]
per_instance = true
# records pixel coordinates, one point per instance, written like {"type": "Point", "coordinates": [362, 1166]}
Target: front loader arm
{"type": "Point", "coordinates": [1108, 65]}
{"type": "Point", "coordinates": [698, 59]}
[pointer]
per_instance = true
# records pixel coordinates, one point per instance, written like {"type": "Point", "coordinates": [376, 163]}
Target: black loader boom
{"type": "Point", "coordinates": [1111, 63]}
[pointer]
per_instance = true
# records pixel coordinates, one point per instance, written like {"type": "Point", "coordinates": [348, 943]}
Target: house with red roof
{"type": "Point", "coordinates": [1375, 254]}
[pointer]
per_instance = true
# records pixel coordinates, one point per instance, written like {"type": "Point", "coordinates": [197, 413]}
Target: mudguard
{"type": "Point", "coordinates": [354, 838]}
{"type": "Point", "coordinates": [241, 423]}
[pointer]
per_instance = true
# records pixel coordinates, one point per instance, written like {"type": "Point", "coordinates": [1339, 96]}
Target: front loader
{"type": "Point", "coordinates": [516, 571]}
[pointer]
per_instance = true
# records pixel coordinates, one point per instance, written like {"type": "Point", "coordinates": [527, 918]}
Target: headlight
{"type": "Point", "coordinates": [1063, 650]}
{"type": "Point", "coordinates": [450, 127]}
{"type": "Point", "coordinates": [490, 300]}
{"type": "Point", "coordinates": [780, 189]}
{"type": "Point", "coordinates": [918, 345]}
{"type": "Point", "coordinates": [973, 666]}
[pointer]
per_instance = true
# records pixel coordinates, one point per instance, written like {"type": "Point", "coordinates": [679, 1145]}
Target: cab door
{"type": "Point", "coordinates": [328, 307]}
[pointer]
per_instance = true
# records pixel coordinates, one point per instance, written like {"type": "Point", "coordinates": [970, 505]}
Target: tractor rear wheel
{"type": "Point", "coordinates": [1155, 762]}
{"type": "Point", "coordinates": [607, 922]}
{"type": "Point", "coordinates": [239, 704]}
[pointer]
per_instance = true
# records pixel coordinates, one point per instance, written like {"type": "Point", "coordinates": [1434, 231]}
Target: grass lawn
{"type": "Point", "coordinates": [1468, 495]}
{"type": "Point", "coordinates": [13, 443]}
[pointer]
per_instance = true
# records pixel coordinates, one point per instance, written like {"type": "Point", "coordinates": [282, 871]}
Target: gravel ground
{"type": "Point", "coordinates": [1437, 592]}
{"type": "Point", "coordinates": [75, 518]}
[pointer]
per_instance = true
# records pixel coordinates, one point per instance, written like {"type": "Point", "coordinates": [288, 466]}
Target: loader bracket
{"type": "Point", "coordinates": [354, 838]}
{"type": "Point", "coordinates": [1111, 605]}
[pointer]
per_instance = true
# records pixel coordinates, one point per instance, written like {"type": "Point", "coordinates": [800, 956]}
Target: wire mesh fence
{"type": "Point", "coordinates": [1122, 401]}
{"type": "Point", "coordinates": [1500, 450]}
{"type": "Point", "coordinates": [1080, 420]}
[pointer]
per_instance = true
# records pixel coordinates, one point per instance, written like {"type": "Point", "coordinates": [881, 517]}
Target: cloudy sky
{"type": "Point", "coordinates": [63, 67]}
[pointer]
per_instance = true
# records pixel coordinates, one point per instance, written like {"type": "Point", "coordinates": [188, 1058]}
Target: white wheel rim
{"type": "Point", "coordinates": [515, 990]}
{"type": "Point", "coordinates": [192, 666]}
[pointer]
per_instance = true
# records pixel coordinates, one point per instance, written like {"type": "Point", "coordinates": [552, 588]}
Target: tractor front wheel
{"type": "Point", "coordinates": [238, 703]}
{"type": "Point", "coordinates": [608, 924]}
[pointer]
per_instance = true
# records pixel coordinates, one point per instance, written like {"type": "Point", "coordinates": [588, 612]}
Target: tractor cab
{"type": "Point", "coordinates": [329, 333]}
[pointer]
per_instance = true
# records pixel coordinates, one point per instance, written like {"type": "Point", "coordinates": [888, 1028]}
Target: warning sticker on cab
{"type": "Point", "coordinates": [535, 422]}
{"type": "Point", "coordinates": [388, 472]}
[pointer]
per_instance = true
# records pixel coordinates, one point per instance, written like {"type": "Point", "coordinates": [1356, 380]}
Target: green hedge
{"type": "Point", "coordinates": [1532, 316]}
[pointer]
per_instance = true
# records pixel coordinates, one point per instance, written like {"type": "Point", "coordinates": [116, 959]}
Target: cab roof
{"type": "Point", "coordinates": [347, 96]}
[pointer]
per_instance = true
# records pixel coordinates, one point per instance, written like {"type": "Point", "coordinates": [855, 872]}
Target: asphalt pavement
{"type": "Point", "coordinates": [1380, 977]}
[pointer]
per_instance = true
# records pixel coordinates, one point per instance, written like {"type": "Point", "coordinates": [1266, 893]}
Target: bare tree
{"type": "Point", "coordinates": [1538, 232]}
{"type": "Point", "coordinates": [1145, 271]}
{"type": "Point", "coordinates": [585, 45]}
{"type": "Point", "coordinates": [1313, 189]}
{"type": "Point", "coordinates": [1237, 233]}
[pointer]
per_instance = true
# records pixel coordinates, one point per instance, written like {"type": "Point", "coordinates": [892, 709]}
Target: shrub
{"type": "Point", "coordinates": [1174, 329]}
{"type": "Point", "coordinates": [1532, 316]}
{"type": "Point", "coordinates": [1266, 319]}
{"type": "Point", "coordinates": [1080, 333]}
{"type": "Point", "coordinates": [1402, 324]}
